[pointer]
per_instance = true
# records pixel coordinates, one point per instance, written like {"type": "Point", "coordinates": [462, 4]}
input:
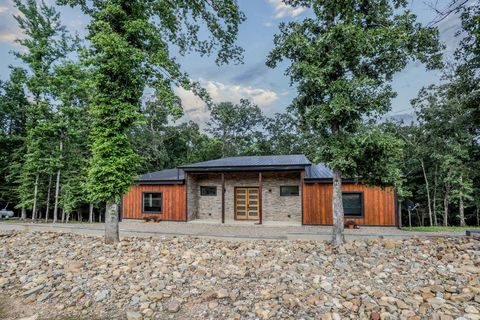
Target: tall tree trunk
{"type": "Point", "coordinates": [111, 223]}
{"type": "Point", "coordinates": [428, 193]}
{"type": "Point", "coordinates": [57, 189]}
{"type": "Point", "coordinates": [461, 212]}
{"type": "Point", "coordinates": [445, 207]}
{"type": "Point", "coordinates": [67, 216]}
{"type": "Point", "coordinates": [90, 213]}
{"type": "Point", "coordinates": [24, 214]}
{"type": "Point", "coordinates": [478, 216]}
{"type": "Point", "coordinates": [35, 193]}
{"type": "Point", "coordinates": [63, 215]}
{"type": "Point", "coordinates": [47, 210]}
{"type": "Point", "coordinates": [399, 214]}
{"type": "Point", "coordinates": [461, 208]}
{"type": "Point", "coordinates": [410, 218]}
{"type": "Point", "coordinates": [338, 222]}
{"type": "Point", "coordinates": [435, 197]}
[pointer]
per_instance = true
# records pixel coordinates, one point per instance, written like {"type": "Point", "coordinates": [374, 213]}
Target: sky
{"type": "Point", "coordinates": [269, 88]}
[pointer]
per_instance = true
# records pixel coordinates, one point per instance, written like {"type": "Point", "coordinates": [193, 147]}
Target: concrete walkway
{"type": "Point", "coordinates": [219, 231]}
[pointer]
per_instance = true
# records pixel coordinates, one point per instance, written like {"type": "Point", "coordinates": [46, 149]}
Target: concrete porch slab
{"type": "Point", "coordinates": [252, 223]}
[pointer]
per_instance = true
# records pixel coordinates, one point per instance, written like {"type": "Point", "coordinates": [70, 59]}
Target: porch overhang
{"type": "Point", "coordinates": [242, 168]}
{"type": "Point", "coordinates": [328, 180]}
{"type": "Point", "coordinates": [158, 182]}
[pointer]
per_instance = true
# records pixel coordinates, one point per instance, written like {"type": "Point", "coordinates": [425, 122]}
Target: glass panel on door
{"type": "Point", "coordinates": [246, 203]}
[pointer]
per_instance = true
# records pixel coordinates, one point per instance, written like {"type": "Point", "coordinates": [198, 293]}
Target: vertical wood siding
{"type": "Point", "coordinates": [174, 202]}
{"type": "Point", "coordinates": [379, 204]}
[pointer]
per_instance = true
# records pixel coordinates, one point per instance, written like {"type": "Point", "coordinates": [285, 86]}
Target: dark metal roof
{"type": "Point", "coordinates": [168, 175]}
{"type": "Point", "coordinates": [318, 171]}
{"type": "Point", "coordinates": [313, 172]}
{"type": "Point", "coordinates": [287, 161]}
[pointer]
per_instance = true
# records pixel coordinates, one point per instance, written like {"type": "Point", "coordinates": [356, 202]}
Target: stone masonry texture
{"type": "Point", "coordinates": [275, 207]}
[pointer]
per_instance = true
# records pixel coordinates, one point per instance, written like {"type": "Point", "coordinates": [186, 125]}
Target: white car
{"type": "Point", "coordinates": [6, 213]}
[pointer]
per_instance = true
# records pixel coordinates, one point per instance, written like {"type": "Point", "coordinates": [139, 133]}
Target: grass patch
{"type": "Point", "coordinates": [441, 229]}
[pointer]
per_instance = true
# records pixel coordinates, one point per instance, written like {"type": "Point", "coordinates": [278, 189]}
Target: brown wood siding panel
{"type": "Point", "coordinates": [174, 202]}
{"type": "Point", "coordinates": [379, 204]}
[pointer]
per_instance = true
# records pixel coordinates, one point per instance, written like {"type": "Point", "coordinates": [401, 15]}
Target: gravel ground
{"type": "Point", "coordinates": [69, 276]}
{"type": "Point", "coordinates": [216, 230]}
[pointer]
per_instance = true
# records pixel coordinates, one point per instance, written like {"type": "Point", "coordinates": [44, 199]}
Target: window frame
{"type": "Point", "coordinates": [208, 195]}
{"type": "Point", "coordinates": [143, 202]}
{"type": "Point", "coordinates": [362, 205]}
{"type": "Point", "coordinates": [290, 195]}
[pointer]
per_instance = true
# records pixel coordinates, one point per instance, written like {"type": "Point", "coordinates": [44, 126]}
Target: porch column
{"type": "Point", "coordinates": [223, 197]}
{"type": "Point", "coordinates": [302, 181]}
{"type": "Point", "coordinates": [260, 184]}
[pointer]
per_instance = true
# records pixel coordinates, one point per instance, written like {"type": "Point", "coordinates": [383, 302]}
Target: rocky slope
{"type": "Point", "coordinates": [58, 275]}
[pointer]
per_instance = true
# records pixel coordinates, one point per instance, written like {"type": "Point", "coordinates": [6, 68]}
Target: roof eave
{"type": "Point", "coordinates": [245, 168]}
{"type": "Point", "coordinates": [328, 180]}
{"type": "Point", "coordinates": [164, 182]}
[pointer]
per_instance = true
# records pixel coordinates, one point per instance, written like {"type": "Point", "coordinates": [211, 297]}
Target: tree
{"type": "Point", "coordinates": [238, 126]}
{"type": "Point", "coordinates": [72, 91]}
{"type": "Point", "coordinates": [130, 44]}
{"type": "Point", "coordinates": [282, 135]}
{"type": "Point", "coordinates": [163, 144]}
{"type": "Point", "coordinates": [13, 113]}
{"type": "Point", "coordinates": [46, 44]}
{"type": "Point", "coordinates": [342, 60]}
{"type": "Point", "coordinates": [448, 127]}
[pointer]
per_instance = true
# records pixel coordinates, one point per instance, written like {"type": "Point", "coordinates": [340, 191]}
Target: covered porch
{"type": "Point", "coordinates": [272, 198]}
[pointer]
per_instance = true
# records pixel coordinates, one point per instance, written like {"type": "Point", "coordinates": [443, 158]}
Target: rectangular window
{"type": "Point", "coordinates": [208, 191]}
{"type": "Point", "coordinates": [353, 204]}
{"type": "Point", "coordinates": [152, 202]}
{"type": "Point", "coordinates": [289, 191]}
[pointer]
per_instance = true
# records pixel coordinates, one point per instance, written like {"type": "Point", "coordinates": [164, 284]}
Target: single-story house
{"type": "Point", "coordinates": [286, 188]}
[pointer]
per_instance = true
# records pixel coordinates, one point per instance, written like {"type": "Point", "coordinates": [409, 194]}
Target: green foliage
{"type": "Point", "coordinates": [238, 126]}
{"type": "Point", "coordinates": [130, 49]}
{"type": "Point", "coordinates": [13, 113]}
{"type": "Point", "coordinates": [445, 141]}
{"type": "Point", "coordinates": [46, 45]}
{"type": "Point", "coordinates": [342, 61]}
{"type": "Point", "coordinates": [282, 135]}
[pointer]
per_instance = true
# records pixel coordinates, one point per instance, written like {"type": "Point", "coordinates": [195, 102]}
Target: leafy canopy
{"type": "Point", "coordinates": [236, 125]}
{"type": "Point", "coordinates": [46, 46]}
{"type": "Point", "coordinates": [342, 60]}
{"type": "Point", "coordinates": [130, 48]}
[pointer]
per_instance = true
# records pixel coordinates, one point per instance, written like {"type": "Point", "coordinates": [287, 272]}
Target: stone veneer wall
{"type": "Point", "coordinates": [192, 197]}
{"type": "Point", "coordinates": [210, 207]}
{"type": "Point", "coordinates": [275, 207]}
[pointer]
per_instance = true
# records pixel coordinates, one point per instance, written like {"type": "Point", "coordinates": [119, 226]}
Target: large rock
{"type": "Point", "coordinates": [33, 290]}
{"type": "Point", "coordinates": [174, 306]}
{"type": "Point", "coordinates": [101, 295]}
{"type": "Point", "coordinates": [133, 315]}
{"type": "Point", "coordinates": [74, 267]}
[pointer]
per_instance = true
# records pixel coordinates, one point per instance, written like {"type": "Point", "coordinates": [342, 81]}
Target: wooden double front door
{"type": "Point", "coordinates": [246, 203]}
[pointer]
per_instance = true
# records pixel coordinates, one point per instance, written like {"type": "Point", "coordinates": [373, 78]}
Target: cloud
{"type": "Point", "coordinates": [9, 33]}
{"type": "Point", "coordinates": [196, 110]}
{"type": "Point", "coordinates": [9, 30]}
{"type": "Point", "coordinates": [282, 10]}
{"type": "Point", "coordinates": [6, 36]}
